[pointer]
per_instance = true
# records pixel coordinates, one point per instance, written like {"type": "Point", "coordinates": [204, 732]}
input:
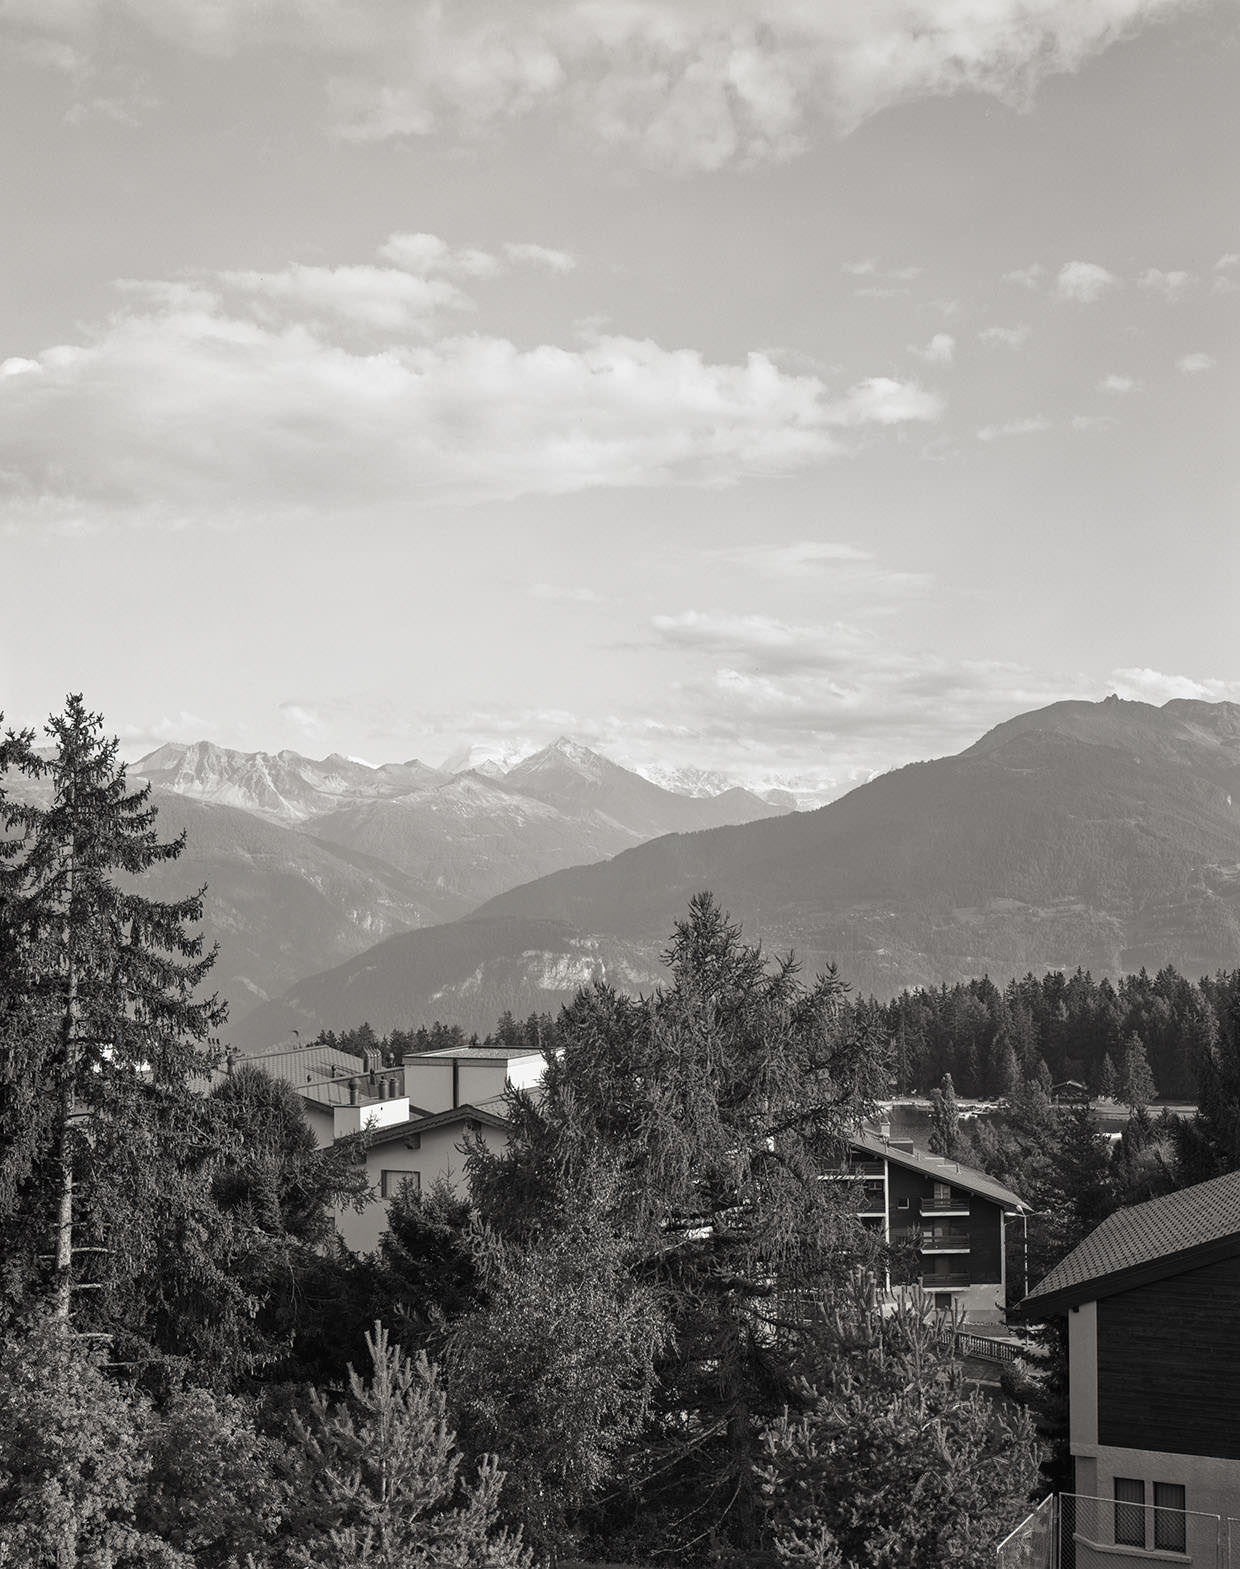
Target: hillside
{"type": "Point", "coordinates": [1098, 834]}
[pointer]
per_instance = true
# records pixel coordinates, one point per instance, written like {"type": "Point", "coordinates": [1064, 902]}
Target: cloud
{"type": "Point", "coordinates": [1093, 421]}
{"type": "Point", "coordinates": [427, 253]}
{"type": "Point", "coordinates": [1014, 427]}
{"type": "Point", "coordinates": [1028, 277]}
{"type": "Point", "coordinates": [251, 395]}
{"type": "Point", "coordinates": [1153, 686]}
{"type": "Point", "coordinates": [386, 298]}
{"type": "Point", "coordinates": [539, 256]}
{"type": "Point", "coordinates": [941, 349]}
{"type": "Point", "coordinates": [679, 85]}
{"type": "Point", "coordinates": [1117, 384]}
{"type": "Point", "coordinates": [1083, 282]}
{"type": "Point", "coordinates": [302, 717]}
{"type": "Point", "coordinates": [796, 690]}
{"type": "Point", "coordinates": [1173, 286]}
{"type": "Point", "coordinates": [853, 569]}
{"type": "Point", "coordinates": [1006, 337]}
{"type": "Point", "coordinates": [1192, 364]}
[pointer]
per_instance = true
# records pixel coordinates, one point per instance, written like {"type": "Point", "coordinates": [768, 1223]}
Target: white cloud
{"type": "Point", "coordinates": [247, 400]}
{"type": "Point", "coordinates": [682, 85]}
{"type": "Point", "coordinates": [307, 720]}
{"type": "Point", "coordinates": [1093, 421]}
{"type": "Point", "coordinates": [1083, 282]}
{"type": "Point", "coordinates": [1117, 384]}
{"type": "Point", "coordinates": [853, 569]}
{"type": "Point", "coordinates": [1014, 427]}
{"type": "Point", "coordinates": [1227, 260]}
{"type": "Point", "coordinates": [386, 298]}
{"type": "Point", "coordinates": [1027, 277]}
{"type": "Point", "coordinates": [427, 253]}
{"type": "Point", "coordinates": [941, 349]}
{"type": "Point", "coordinates": [539, 256]}
{"type": "Point", "coordinates": [1173, 286]}
{"type": "Point", "coordinates": [1153, 686]}
{"type": "Point", "coordinates": [1006, 337]}
{"type": "Point", "coordinates": [1191, 364]}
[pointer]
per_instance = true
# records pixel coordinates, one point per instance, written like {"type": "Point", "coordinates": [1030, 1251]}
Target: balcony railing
{"type": "Point", "coordinates": [956, 1205]}
{"type": "Point", "coordinates": [940, 1282]}
{"type": "Point", "coordinates": [945, 1239]}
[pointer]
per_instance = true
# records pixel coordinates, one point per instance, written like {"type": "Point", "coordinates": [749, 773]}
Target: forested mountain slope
{"type": "Point", "coordinates": [1103, 835]}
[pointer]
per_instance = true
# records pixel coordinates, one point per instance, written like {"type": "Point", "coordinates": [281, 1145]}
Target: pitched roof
{"type": "Point", "coordinates": [1145, 1242]}
{"type": "Point", "coordinates": [938, 1168]}
{"type": "Point", "coordinates": [427, 1122]}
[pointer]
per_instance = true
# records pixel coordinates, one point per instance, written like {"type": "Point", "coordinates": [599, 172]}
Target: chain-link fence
{"type": "Point", "coordinates": [1074, 1531]}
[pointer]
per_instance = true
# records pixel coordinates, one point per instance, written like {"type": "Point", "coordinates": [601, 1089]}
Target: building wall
{"type": "Point", "coordinates": [980, 1296]}
{"type": "Point", "coordinates": [1169, 1364]}
{"type": "Point", "coordinates": [1211, 1496]}
{"type": "Point", "coordinates": [439, 1153]}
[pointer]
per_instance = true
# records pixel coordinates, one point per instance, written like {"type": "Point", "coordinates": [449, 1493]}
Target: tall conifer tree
{"type": "Point", "coordinates": [100, 984]}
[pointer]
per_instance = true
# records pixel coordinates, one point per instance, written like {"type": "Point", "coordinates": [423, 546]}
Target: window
{"type": "Point", "coordinates": [1129, 1512]}
{"type": "Point", "coordinates": [901, 1203]}
{"type": "Point", "coordinates": [1169, 1532]}
{"type": "Point", "coordinates": [942, 1193]}
{"type": "Point", "coordinates": [390, 1182]}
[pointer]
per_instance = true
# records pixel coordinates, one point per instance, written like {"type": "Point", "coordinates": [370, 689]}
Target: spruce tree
{"type": "Point", "coordinates": [945, 1119]}
{"type": "Point", "coordinates": [1136, 1086]}
{"type": "Point", "coordinates": [101, 980]}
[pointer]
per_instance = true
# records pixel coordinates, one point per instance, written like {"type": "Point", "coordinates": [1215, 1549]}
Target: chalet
{"type": "Point", "coordinates": [951, 1219]}
{"type": "Point", "coordinates": [1152, 1300]}
{"type": "Point", "coordinates": [421, 1150]}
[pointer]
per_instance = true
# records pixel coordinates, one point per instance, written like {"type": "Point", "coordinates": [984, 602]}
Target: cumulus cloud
{"type": "Point", "coordinates": [427, 253]}
{"type": "Point", "coordinates": [941, 350]}
{"type": "Point", "coordinates": [1193, 364]}
{"type": "Point", "coordinates": [1014, 427]}
{"type": "Point", "coordinates": [1143, 685]}
{"type": "Point", "coordinates": [1117, 384]}
{"type": "Point", "coordinates": [1083, 282]}
{"type": "Point", "coordinates": [682, 85]}
{"type": "Point", "coordinates": [1027, 277]}
{"type": "Point", "coordinates": [1173, 286]}
{"type": "Point", "coordinates": [1006, 337]}
{"type": "Point", "coordinates": [252, 394]}
{"type": "Point", "coordinates": [539, 256]}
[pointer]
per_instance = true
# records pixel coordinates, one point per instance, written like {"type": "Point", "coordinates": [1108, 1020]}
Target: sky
{"type": "Point", "coordinates": [787, 389]}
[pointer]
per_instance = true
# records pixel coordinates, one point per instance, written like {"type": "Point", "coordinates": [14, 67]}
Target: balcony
{"type": "Point", "coordinates": [944, 1239]}
{"type": "Point", "coordinates": [958, 1204]}
{"type": "Point", "coordinates": [936, 1281]}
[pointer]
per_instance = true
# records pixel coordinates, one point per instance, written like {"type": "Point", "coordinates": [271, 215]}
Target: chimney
{"type": "Point", "coordinates": [352, 1092]}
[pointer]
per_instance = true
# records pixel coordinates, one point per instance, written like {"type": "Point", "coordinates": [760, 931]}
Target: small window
{"type": "Point", "coordinates": [901, 1203]}
{"type": "Point", "coordinates": [942, 1193]}
{"type": "Point", "coordinates": [390, 1182]}
{"type": "Point", "coordinates": [1129, 1512]}
{"type": "Point", "coordinates": [1169, 1531]}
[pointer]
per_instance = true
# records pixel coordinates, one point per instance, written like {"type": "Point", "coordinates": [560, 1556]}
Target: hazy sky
{"type": "Point", "coordinates": [795, 387]}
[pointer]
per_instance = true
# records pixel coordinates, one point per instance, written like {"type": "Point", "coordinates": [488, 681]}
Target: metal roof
{"type": "Point", "coordinates": [1145, 1241]}
{"type": "Point", "coordinates": [436, 1119]}
{"type": "Point", "coordinates": [938, 1168]}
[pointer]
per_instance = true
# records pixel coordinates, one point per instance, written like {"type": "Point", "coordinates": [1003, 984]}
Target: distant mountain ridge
{"type": "Point", "coordinates": [310, 861]}
{"type": "Point", "coordinates": [1105, 835]}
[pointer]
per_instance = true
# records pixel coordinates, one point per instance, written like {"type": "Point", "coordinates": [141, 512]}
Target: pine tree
{"type": "Point", "coordinates": [893, 1459]}
{"type": "Point", "coordinates": [378, 1478]}
{"type": "Point", "coordinates": [101, 978]}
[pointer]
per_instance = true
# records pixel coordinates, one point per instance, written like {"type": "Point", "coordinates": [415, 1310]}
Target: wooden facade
{"type": "Point", "coordinates": [1169, 1364]}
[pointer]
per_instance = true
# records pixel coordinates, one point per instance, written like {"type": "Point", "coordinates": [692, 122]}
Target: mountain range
{"type": "Point", "coordinates": [308, 862]}
{"type": "Point", "coordinates": [1105, 835]}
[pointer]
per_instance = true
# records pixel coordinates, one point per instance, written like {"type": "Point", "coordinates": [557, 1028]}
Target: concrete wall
{"type": "Point", "coordinates": [378, 1114]}
{"type": "Point", "coordinates": [439, 1154]}
{"type": "Point", "coordinates": [428, 1082]}
{"type": "Point", "coordinates": [1211, 1495]}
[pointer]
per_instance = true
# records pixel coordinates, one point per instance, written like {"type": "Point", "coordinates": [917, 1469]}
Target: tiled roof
{"type": "Point", "coordinates": [1160, 1229]}
{"type": "Point", "coordinates": [938, 1167]}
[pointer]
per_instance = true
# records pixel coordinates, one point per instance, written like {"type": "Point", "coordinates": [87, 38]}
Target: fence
{"type": "Point", "coordinates": [1074, 1531]}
